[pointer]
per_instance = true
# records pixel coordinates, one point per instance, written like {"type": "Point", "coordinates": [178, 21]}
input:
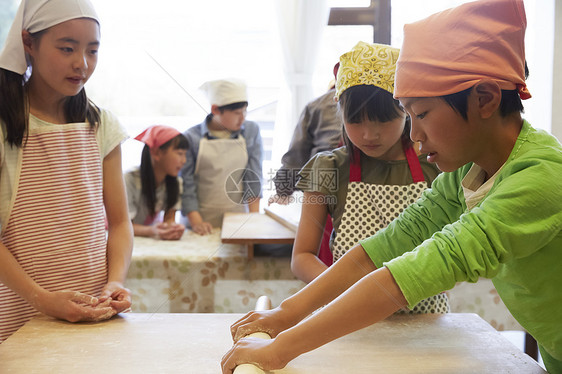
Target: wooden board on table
{"type": "Point", "coordinates": [194, 343]}
{"type": "Point", "coordinates": [288, 215]}
{"type": "Point", "coordinates": [254, 228]}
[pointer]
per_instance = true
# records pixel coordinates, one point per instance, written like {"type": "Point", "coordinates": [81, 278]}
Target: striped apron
{"type": "Point", "coordinates": [56, 225]}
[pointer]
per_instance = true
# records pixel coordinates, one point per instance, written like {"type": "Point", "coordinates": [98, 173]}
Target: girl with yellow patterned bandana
{"type": "Point", "coordinates": [366, 183]}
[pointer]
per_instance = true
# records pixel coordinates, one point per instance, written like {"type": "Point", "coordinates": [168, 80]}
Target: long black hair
{"type": "Point", "coordinates": [367, 102]}
{"type": "Point", "coordinates": [14, 105]}
{"type": "Point", "coordinates": [148, 183]}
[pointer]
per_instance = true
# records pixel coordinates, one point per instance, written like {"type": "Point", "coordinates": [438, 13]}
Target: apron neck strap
{"type": "Point", "coordinates": [355, 166]}
{"type": "Point", "coordinates": [411, 157]}
{"type": "Point", "coordinates": [414, 164]}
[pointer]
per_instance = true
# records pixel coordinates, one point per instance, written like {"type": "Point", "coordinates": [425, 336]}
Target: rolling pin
{"type": "Point", "coordinates": [263, 303]}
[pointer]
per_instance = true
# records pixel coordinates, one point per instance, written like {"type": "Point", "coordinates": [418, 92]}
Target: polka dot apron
{"type": "Point", "coordinates": [371, 207]}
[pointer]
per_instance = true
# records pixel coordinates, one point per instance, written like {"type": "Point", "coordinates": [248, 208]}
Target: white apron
{"type": "Point", "coordinates": [371, 207]}
{"type": "Point", "coordinates": [56, 227]}
{"type": "Point", "coordinates": [219, 172]}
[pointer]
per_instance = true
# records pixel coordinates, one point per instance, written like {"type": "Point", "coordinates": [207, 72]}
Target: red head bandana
{"type": "Point", "coordinates": [156, 135]}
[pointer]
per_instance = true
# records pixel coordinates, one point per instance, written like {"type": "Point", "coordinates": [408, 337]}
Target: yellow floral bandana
{"type": "Point", "coordinates": [367, 64]}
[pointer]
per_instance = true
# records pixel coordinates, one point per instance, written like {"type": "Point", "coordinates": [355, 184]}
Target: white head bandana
{"type": "Point", "coordinates": [225, 91]}
{"type": "Point", "coordinates": [38, 15]}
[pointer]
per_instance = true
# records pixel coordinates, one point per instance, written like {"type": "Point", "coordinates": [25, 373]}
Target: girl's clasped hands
{"type": "Point", "coordinates": [76, 306]}
{"type": "Point", "coordinates": [169, 230]}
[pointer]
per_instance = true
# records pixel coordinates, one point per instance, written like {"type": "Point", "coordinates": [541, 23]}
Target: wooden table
{"type": "Point", "coordinates": [195, 343]}
{"type": "Point", "coordinates": [254, 228]}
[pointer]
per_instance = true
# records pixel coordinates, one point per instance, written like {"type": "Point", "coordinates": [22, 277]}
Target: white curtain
{"type": "Point", "coordinates": [301, 24]}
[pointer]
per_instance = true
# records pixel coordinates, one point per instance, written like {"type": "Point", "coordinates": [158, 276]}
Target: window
{"type": "Point", "coordinates": [155, 55]}
{"type": "Point", "coordinates": [153, 59]}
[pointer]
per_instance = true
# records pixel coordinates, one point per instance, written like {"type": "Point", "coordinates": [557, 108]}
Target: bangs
{"type": "Point", "coordinates": [366, 102]}
{"type": "Point", "coordinates": [177, 142]}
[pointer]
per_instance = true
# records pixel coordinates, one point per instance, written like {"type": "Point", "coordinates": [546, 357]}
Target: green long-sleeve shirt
{"type": "Point", "coordinates": [512, 236]}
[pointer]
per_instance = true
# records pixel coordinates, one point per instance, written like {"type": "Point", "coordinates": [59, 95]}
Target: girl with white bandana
{"type": "Point", "coordinates": [494, 212]}
{"type": "Point", "coordinates": [60, 173]}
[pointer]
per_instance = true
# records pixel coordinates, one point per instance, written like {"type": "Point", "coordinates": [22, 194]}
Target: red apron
{"type": "Point", "coordinates": [56, 227]}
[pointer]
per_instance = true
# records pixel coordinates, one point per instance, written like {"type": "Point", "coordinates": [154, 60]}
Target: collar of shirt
{"type": "Point", "coordinates": [205, 129]}
{"type": "Point", "coordinates": [474, 187]}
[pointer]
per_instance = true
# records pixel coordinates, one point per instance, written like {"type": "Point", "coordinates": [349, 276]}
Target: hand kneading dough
{"type": "Point", "coordinates": [261, 335]}
{"type": "Point", "coordinates": [250, 368]}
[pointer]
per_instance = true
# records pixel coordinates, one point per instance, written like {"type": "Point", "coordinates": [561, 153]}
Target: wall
{"type": "Point", "coordinates": [557, 74]}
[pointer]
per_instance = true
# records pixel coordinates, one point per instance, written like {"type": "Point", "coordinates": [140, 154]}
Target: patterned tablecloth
{"type": "Point", "coordinates": [199, 274]}
{"type": "Point", "coordinates": [483, 299]}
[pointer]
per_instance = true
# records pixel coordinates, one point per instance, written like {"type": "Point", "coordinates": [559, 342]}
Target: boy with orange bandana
{"type": "Point", "coordinates": [495, 212]}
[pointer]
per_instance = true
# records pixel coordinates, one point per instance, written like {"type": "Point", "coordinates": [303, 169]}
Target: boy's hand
{"type": "Point", "coordinates": [197, 224]}
{"type": "Point", "coordinates": [273, 322]}
{"type": "Point", "coordinates": [259, 352]}
{"type": "Point", "coordinates": [202, 228]}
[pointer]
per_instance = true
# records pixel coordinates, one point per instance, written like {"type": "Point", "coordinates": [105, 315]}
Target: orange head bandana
{"type": "Point", "coordinates": [453, 50]}
{"type": "Point", "coordinates": [157, 135]}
